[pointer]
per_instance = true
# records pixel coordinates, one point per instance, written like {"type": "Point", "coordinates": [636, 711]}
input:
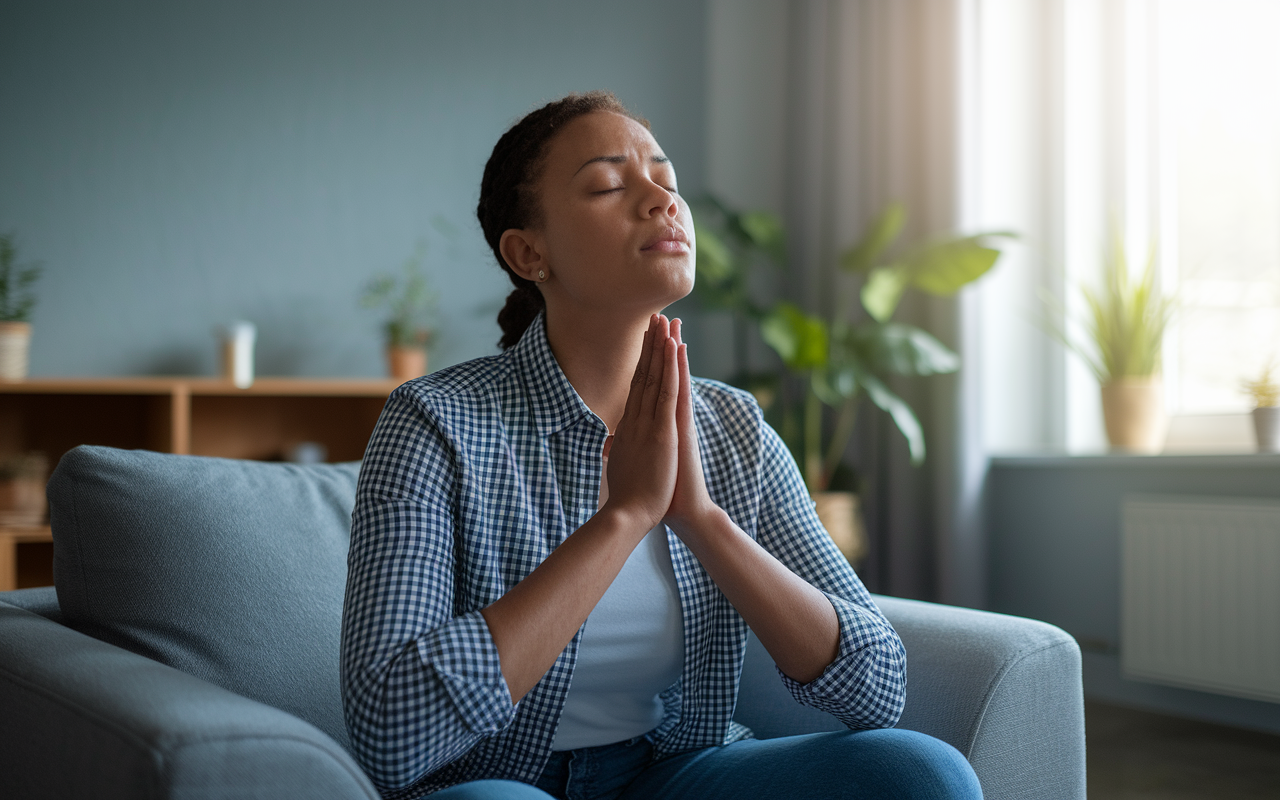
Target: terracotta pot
{"type": "Point", "coordinates": [838, 512]}
{"type": "Point", "coordinates": [1266, 428]}
{"type": "Point", "coordinates": [406, 363]}
{"type": "Point", "coordinates": [15, 345]}
{"type": "Point", "coordinates": [1133, 409]}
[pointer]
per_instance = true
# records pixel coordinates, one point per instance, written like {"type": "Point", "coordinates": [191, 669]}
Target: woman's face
{"type": "Point", "coordinates": [615, 233]}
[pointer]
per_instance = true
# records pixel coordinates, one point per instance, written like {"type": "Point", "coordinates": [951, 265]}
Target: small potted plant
{"type": "Point", "coordinates": [1124, 336]}
{"type": "Point", "coordinates": [1265, 393]}
{"type": "Point", "coordinates": [410, 304]}
{"type": "Point", "coordinates": [16, 301]}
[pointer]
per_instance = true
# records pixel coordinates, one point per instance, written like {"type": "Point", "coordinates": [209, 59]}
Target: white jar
{"type": "Point", "coordinates": [238, 339]}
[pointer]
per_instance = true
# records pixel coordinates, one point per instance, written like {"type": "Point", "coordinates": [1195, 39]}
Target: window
{"type": "Point", "coordinates": [1218, 140]}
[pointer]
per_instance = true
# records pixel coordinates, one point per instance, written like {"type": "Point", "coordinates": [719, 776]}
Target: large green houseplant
{"type": "Point", "coordinates": [830, 361]}
{"type": "Point", "coordinates": [839, 357]}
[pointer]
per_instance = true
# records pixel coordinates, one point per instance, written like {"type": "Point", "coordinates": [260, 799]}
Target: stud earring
{"type": "Point", "coordinates": [542, 276]}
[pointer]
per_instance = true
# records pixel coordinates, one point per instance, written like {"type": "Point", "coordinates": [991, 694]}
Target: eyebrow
{"type": "Point", "coordinates": [620, 160]}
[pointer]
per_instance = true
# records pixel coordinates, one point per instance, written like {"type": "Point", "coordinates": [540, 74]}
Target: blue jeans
{"type": "Point", "coordinates": [888, 764]}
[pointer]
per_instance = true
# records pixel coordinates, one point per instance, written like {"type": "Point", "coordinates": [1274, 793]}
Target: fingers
{"type": "Point", "coordinates": [657, 361]}
{"type": "Point", "coordinates": [669, 394]}
{"type": "Point", "coordinates": [684, 412]}
{"type": "Point", "coordinates": [638, 380]}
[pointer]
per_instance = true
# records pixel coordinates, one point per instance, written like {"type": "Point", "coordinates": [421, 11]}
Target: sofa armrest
{"type": "Point", "coordinates": [1004, 691]}
{"type": "Point", "coordinates": [83, 718]}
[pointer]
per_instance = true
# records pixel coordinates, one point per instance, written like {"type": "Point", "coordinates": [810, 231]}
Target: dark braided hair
{"type": "Point", "coordinates": [509, 196]}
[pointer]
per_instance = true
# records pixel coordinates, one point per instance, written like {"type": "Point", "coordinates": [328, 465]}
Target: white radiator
{"type": "Point", "coordinates": [1200, 593]}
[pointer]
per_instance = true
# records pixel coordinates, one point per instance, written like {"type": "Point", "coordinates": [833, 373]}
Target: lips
{"type": "Point", "coordinates": [671, 240]}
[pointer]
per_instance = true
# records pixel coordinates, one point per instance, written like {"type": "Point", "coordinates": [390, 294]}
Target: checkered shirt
{"type": "Point", "coordinates": [473, 476]}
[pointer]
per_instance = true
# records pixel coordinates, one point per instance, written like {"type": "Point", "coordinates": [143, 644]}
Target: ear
{"type": "Point", "coordinates": [522, 250]}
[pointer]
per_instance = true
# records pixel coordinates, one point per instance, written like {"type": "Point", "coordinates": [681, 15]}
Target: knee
{"type": "Point", "coordinates": [926, 768]}
{"type": "Point", "coordinates": [491, 790]}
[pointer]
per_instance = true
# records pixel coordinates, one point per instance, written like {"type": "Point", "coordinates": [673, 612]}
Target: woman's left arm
{"type": "Point", "coordinates": [815, 637]}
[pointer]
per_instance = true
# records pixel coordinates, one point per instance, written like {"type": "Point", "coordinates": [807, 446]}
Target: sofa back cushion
{"type": "Point", "coordinates": [232, 571]}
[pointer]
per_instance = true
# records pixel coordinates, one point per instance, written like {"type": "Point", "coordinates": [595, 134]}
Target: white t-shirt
{"type": "Point", "coordinates": [632, 649]}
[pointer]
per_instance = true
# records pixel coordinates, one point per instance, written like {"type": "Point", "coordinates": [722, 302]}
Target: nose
{"type": "Point", "coordinates": [659, 201]}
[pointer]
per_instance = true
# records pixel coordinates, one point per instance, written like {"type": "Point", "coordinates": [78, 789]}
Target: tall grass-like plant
{"type": "Point", "coordinates": [1263, 390]}
{"type": "Point", "coordinates": [1124, 322]}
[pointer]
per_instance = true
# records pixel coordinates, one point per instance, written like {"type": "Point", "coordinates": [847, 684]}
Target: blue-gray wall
{"type": "Point", "coordinates": [1054, 533]}
{"type": "Point", "coordinates": [179, 165]}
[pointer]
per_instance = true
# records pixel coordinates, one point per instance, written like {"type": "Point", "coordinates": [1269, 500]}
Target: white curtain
{"type": "Point", "coordinates": [875, 94]}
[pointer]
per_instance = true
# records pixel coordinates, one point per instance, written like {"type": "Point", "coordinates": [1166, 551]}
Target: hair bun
{"type": "Point", "coordinates": [521, 309]}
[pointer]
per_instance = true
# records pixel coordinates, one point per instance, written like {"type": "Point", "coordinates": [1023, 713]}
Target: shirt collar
{"type": "Point", "coordinates": [555, 402]}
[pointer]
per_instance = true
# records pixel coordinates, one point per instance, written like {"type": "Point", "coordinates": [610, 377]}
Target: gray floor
{"type": "Point", "coordinates": [1136, 755]}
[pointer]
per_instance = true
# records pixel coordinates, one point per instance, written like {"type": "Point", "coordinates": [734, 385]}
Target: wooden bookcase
{"type": "Point", "coordinates": [197, 416]}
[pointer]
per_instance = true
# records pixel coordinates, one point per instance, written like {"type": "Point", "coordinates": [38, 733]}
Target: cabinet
{"type": "Point", "coordinates": [198, 416]}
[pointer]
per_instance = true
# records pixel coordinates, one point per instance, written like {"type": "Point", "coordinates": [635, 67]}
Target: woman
{"type": "Point", "coordinates": [582, 476]}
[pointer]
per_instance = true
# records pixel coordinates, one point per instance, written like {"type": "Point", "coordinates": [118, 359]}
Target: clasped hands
{"type": "Point", "coordinates": [655, 470]}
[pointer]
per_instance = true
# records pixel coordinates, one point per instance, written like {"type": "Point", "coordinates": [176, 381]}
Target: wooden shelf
{"type": "Point", "coordinates": [289, 387]}
{"type": "Point", "coordinates": [183, 415]}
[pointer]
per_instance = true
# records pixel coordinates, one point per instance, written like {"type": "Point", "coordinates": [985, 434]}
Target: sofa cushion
{"type": "Point", "coordinates": [232, 571]}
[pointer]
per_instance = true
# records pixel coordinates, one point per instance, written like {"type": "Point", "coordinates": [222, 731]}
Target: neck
{"type": "Point", "coordinates": [598, 354]}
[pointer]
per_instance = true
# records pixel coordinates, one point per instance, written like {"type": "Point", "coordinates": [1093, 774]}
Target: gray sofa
{"type": "Point", "coordinates": [191, 649]}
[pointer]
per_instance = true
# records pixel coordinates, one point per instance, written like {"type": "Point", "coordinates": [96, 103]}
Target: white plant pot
{"type": "Point", "coordinates": [1266, 428]}
{"type": "Point", "coordinates": [15, 347]}
{"type": "Point", "coordinates": [1133, 410]}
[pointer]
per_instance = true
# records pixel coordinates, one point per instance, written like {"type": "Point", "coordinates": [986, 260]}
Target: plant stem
{"type": "Point", "coordinates": [840, 437]}
{"type": "Point", "coordinates": [739, 345]}
{"type": "Point", "coordinates": [813, 476]}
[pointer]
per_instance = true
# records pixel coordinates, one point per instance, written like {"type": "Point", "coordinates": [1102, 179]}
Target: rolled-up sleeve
{"type": "Point", "coordinates": [421, 680]}
{"type": "Point", "coordinates": [865, 686]}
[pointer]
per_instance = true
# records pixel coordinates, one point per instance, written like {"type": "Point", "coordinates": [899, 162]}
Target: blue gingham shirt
{"type": "Point", "coordinates": [473, 476]}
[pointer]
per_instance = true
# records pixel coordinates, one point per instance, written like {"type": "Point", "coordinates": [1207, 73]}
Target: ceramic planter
{"type": "Point", "coordinates": [1266, 428]}
{"type": "Point", "coordinates": [406, 363]}
{"type": "Point", "coordinates": [1133, 409]}
{"type": "Point", "coordinates": [838, 512]}
{"type": "Point", "coordinates": [15, 345]}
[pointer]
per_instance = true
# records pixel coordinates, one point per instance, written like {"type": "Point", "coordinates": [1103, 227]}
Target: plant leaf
{"type": "Point", "coordinates": [714, 259]}
{"type": "Point", "coordinates": [834, 385]}
{"type": "Point", "coordinates": [899, 349]}
{"type": "Point", "coordinates": [799, 339]}
{"type": "Point", "coordinates": [942, 268]}
{"type": "Point", "coordinates": [883, 290]}
{"type": "Point", "coordinates": [880, 234]}
{"type": "Point", "coordinates": [766, 232]}
{"type": "Point", "coordinates": [901, 413]}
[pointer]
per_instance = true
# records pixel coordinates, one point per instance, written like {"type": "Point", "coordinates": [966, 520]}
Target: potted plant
{"type": "Point", "coordinates": [837, 359]}
{"type": "Point", "coordinates": [1265, 393]}
{"type": "Point", "coordinates": [410, 304]}
{"type": "Point", "coordinates": [1124, 328]}
{"type": "Point", "coordinates": [16, 301]}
